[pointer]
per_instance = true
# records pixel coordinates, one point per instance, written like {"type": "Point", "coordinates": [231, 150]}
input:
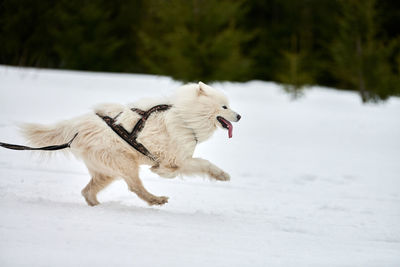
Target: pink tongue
{"type": "Point", "coordinates": [230, 128]}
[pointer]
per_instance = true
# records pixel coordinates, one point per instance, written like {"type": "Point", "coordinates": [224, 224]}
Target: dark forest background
{"type": "Point", "coordinates": [348, 44]}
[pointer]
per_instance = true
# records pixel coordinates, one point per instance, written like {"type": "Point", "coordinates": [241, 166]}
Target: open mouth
{"type": "Point", "coordinates": [226, 124]}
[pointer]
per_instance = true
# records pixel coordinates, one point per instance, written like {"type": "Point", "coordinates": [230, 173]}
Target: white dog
{"type": "Point", "coordinates": [165, 140]}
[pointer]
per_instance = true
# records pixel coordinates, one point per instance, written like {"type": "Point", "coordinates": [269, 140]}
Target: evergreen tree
{"type": "Point", "coordinates": [294, 72]}
{"type": "Point", "coordinates": [290, 43]}
{"type": "Point", "coordinates": [196, 39]}
{"type": "Point", "coordinates": [361, 61]}
{"type": "Point", "coordinates": [352, 44]}
{"type": "Point", "coordinates": [24, 33]}
{"type": "Point", "coordinates": [83, 36]}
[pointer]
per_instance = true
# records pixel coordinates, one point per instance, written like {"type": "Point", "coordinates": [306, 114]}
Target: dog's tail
{"type": "Point", "coordinates": [39, 135]}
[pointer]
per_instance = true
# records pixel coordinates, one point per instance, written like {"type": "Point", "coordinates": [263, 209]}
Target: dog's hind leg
{"type": "Point", "coordinates": [97, 183]}
{"type": "Point", "coordinates": [131, 177]}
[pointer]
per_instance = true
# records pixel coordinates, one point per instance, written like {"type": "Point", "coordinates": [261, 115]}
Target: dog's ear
{"type": "Point", "coordinates": [202, 89]}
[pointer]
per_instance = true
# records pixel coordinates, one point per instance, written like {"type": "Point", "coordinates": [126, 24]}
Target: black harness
{"type": "Point", "coordinates": [130, 138]}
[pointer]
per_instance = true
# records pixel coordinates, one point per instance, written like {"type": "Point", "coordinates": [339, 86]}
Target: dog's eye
{"type": "Point", "coordinates": [224, 107]}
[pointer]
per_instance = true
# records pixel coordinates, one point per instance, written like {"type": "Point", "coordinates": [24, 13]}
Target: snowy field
{"type": "Point", "coordinates": [315, 182]}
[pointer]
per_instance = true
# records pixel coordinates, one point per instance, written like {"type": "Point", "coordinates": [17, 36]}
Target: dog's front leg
{"type": "Point", "coordinates": [165, 171]}
{"type": "Point", "coordinates": [202, 166]}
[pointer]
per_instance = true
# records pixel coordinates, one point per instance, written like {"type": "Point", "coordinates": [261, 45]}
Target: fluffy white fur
{"type": "Point", "coordinates": [170, 135]}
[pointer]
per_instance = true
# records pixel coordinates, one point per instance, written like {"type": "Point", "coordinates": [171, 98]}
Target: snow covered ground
{"type": "Point", "coordinates": [315, 182]}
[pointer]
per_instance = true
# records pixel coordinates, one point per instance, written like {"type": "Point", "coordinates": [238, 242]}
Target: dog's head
{"type": "Point", "coordinates": [206, 108]}
{"type": "Point", "coordinates": [221, 112]}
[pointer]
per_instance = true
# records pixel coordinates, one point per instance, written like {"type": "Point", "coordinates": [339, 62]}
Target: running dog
{"type": "Point", "coordinates": [115, 140]}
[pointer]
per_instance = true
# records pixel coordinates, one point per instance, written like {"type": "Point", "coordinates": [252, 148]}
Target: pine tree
{"type": "Point", "coordinates": [83, 36]}
{"type": "Point", "coordinates": [361, 60]}
{"type": "Point", "coordinates": [195, 39]}
{"type": "Point", "coordinates": [294, 72]}
{"type": "Point", "coordinates": [24, 33]}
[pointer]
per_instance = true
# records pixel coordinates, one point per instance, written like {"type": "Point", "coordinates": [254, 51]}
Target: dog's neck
{"type": "Point", "coordinates": [196, 130]}
{"type": "Point", "coordinates": [195, 137]}
{"type": "Point", "coordinates": [193, 132]}
{"type": "Point", "coordinates": [201, 131]}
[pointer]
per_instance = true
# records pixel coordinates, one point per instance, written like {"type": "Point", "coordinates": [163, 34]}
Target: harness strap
{"type": "Point", "coordinates": [48, 148]}
{"type": "Point", "coordinates": [130, 138]}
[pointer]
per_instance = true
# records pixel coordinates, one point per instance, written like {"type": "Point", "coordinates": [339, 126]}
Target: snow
{"type": "Point", "coordinates": [315, 182]}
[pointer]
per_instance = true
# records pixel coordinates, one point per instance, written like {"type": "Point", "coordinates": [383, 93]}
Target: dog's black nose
{"type": "Point", "coordinates": [238, 117]}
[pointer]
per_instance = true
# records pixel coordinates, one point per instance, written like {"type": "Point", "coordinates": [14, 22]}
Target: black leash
{"type": "Point", "coordinates": [48, 148]}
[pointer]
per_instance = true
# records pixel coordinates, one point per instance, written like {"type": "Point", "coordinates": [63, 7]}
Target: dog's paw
{"type": "Point", "coordinates": [158, 201]}
{"type": "Point", "coordinates": [91, 200]}
{"type": "Point", "coordinates": [221, 176]}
